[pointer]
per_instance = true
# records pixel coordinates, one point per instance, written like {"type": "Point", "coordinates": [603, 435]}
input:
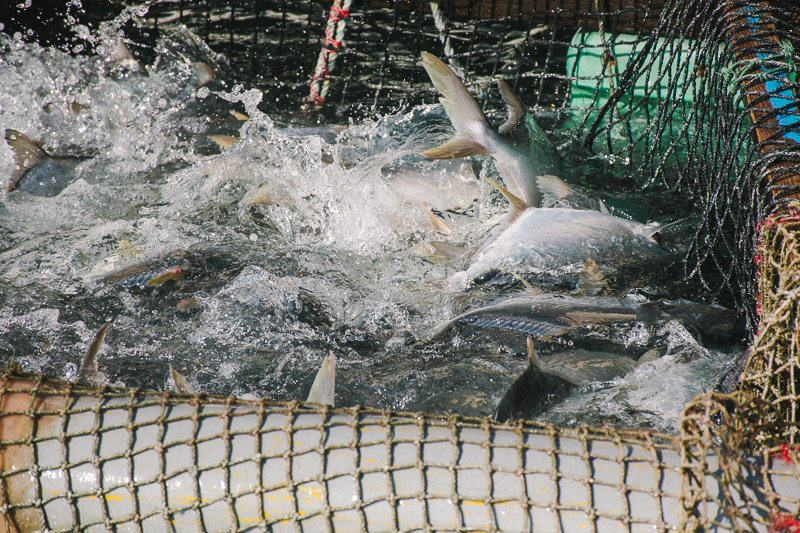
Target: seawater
{"type": "Point", "coordinates": [328, 264]}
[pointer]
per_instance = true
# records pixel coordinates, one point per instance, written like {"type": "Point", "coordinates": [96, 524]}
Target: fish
{"type": "Point", "coordinates": [532, 392]}
{"type": "Point", "coordinates": [89, 373]}
{"type": "Point", "coordinates": [551, 314]}
{"type": "Point", "coordinates": [446, 188]}
{"type": "Point", "coordinates": [520, 148]}
{"type": "Point", "coordinates": [38, 172]}
{"type": "Point", "coordinates": [324, 386]}
{"type": "Point", "coordinates": [553, 245]}
{"type": "Point", "coordinates": [541, 315]}
{"type": "Point", "coordinates": [122, 57]}
{"type": "Point", "coordinates": [583, 367]}
{"type": "Point", "coordinates": [438, 252]}
{"type": "Point", "coordinates": [178, 383]}
{"type": "Point", "coordinates": [225, 141]}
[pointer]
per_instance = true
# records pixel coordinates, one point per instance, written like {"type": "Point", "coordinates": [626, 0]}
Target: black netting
{"type": "Point", "coordinates": [686, 98]}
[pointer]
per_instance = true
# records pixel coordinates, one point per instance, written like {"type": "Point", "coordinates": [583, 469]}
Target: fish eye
{"type": "Point", "coordinates": [486, 277]}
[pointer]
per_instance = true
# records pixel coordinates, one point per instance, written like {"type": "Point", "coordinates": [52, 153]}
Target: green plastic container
{"type": "Point", "coordinates": [585, 64]}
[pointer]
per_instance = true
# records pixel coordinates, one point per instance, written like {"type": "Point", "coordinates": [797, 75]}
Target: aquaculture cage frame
{"type": "Point", "coordinates": [715, 83]}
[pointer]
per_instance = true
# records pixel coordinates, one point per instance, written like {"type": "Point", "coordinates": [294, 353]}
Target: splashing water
{"type": "Point", "coordinates": [291, 247]}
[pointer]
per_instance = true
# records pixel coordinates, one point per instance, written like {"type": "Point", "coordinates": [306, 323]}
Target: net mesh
{"type": "Point", "coordinates": [78, 458]}
{"type": "Point", "coordinates": [677, 95]}
{"type": "Point", "coordinates": [696, 97]}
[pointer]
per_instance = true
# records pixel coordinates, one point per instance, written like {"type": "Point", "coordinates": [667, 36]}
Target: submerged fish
{"type": "Point", "coordinates": [520, 148]}
{"type": "Point", "coordinates": [548, 314]}
{"type": "Point", "coordinates": [37, 171]}
{"type": "Point", "coordinates": [553, 245]}
{"type": "Point", "coordinates": [532, 392]}
{"type": "Point", "coordinates": [452, 187]}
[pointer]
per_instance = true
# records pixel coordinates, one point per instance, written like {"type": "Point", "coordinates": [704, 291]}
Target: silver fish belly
{"type": "Point", "coordinates": [557, 243]}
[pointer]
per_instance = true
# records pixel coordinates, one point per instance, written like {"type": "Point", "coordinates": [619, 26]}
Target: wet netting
{"type": "Point", "coordinates": [695, 97]}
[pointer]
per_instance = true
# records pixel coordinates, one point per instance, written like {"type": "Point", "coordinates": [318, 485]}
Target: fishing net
{"type": "Point", "coordinates": [111, 460]}
{"type": "Point", "coordinates": [694, 97]}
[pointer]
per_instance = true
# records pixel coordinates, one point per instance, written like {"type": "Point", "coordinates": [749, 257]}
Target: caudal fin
{"type": "Point", "coordinates": [27, 152]}
{"type": "Point", "coordinates": [461, 108]}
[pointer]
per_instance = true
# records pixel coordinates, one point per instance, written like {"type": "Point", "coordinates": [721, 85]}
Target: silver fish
{"type": "Point", "coordinates": [549, 314]}
{"type": "Point", "coordinates": [37, 171]}
{"type": "Point", "coordinates": [447, 188]}
{"type": "Point", "coordinates": [520, 148]}
{"type": "Point", "coordinates": [553, 245]}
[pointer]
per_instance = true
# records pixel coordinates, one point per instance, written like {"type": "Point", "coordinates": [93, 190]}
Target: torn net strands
{"type": "Point", "coordinates": [74, 457]}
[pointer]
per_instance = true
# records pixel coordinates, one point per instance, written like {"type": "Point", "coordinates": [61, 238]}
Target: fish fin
{"type": "Point", "coordinates": [165, 276]}
{"type": "Point", "coordinates": [553, 188]}
{"type": "Point", "coordinates": [438, 252]}
{"type": "Point", "coordinates": [87, 375]}
{"type": "Point", "coordinates": [225, 141]}
{"type": "Point", "coordinates": [177, 381]}
{"type": "Point", "coordinates": [533, 357]}
{"type": "Point", "coordinates": [516, 109]}
{"type": "Point", "coordinates": [203, 74]}
{"type": "Point", "coordinates": [437, 223]}
{"type": "Point", "coordinates": [27, 152]}
{"type": "Point", "coordinates": [324, 387]}
{"type": "Point", "coordinates": [525, 282]}
{"type": "Point", "coordinates": [462, 109]}
{"type": "Point", "coordinates": [603, 208]}
{"type": "Point", "coordinates": [518, 205]}
{"type": "Point", "coordinates": [457, 147]}
{"type": "Point", "coordinates": [122, 56]}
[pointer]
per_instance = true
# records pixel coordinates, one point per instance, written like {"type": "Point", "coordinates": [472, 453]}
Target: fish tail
{"type": "Point", "coordinates": [27, 152]}
{"type": "Point", "coordinates": [461, 108]}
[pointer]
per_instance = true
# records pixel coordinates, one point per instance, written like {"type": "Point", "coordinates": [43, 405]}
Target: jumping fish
{"type": "Point", "coordinates": [38, 172]}
{"type": "Point", "coordinates": [548, 314]}
{"type": "Point", "coordinates": [520, 148]}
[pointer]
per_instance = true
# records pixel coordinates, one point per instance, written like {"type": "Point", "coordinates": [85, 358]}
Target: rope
{"type": "Point", "coordinates": [331, 45]}
{"type": "Point", "coordinates": [444, 35]}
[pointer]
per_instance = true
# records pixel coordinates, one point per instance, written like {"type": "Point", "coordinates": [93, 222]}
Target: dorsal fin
{"type": "Point", "coordinates": [87, 375]}
{"type": "Point", "coordinates": [324, 387]}
{"type": "Point", "coordinates": [518, 205]}
{"type": "Point", "coordinates": [533, 358]}
{"type": "Point", "coordinates": [27, 152]}
{"type": "Point", "coordinates": [516, 109]}
{"type": "Point", "coordinates": [178, 381]}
